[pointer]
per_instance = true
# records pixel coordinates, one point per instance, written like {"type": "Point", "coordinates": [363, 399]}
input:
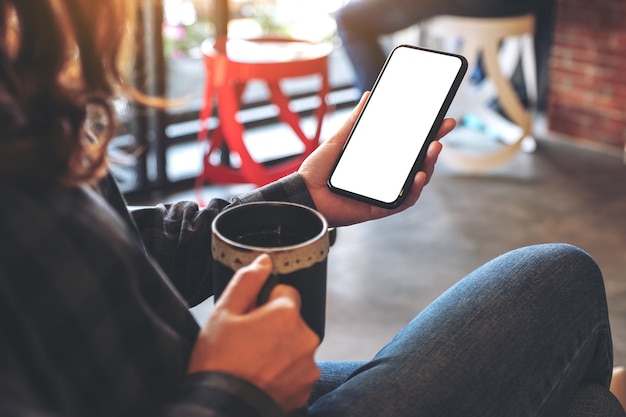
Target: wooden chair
{"type": "Point", "coordinates": [501, 44]}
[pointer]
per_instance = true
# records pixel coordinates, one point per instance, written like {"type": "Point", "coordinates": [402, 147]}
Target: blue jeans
{"type": "Point", "coordinates": [527, 334]}
{"type": "Point", "coordinates": [361, 23]}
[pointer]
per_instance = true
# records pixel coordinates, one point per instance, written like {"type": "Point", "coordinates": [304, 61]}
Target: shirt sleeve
{"type": "Point", "coordinates": [209, 394]}
{"type": "Point", "coordinates": [291, 189]}
{"type": "Point", "coordinates": [178, 236]}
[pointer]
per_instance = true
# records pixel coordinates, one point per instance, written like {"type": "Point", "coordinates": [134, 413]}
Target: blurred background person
{"type": "Point", "coordinates": [361, 23]}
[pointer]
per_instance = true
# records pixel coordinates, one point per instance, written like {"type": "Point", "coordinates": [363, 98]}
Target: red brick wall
{"type": "Point", "coordinates": [588, 71]}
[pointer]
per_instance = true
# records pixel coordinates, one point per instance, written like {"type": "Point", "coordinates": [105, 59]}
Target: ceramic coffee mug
{"type": "Point", "coordinates": [293, 235]}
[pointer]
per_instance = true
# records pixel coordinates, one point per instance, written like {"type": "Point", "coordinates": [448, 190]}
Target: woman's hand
{"type": "Point", "coordinates": [341, 211]}
{"type": "Point", "coordinates": [269, 346]}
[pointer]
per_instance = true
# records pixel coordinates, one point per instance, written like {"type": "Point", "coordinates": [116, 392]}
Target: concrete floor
{"type": "Point", "coordinates": [383, 273]}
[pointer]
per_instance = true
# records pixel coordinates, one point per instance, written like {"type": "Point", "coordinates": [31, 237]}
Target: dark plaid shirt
{"type": "Point", "coordinates": [94, 316]}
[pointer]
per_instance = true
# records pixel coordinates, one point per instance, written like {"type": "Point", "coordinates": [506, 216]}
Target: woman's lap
{"type": "Point", "coordinates": [518, 336]}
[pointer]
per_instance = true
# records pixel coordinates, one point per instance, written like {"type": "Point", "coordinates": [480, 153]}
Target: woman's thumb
{"type": "Point", "coordinates": [240, 295]}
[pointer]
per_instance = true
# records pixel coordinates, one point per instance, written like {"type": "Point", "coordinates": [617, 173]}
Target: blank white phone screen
{"type": "Point", "coordinates": [395, 123]}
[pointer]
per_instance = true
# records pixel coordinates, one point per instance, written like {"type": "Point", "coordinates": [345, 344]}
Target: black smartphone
{"type": "Point", "coordinates": [387, 145]}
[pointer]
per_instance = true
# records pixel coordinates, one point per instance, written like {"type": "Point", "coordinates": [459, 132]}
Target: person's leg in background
{"type": "Point", "coordinates": [525, 335]}
{"type": "Point", "coordinates": [361, 23]}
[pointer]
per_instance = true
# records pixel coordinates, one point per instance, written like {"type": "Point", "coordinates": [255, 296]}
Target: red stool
{"type": "Point", "coordinates": [269, 60]}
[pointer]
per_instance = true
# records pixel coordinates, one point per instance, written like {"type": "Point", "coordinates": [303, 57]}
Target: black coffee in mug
{"type": "Point", "coordinates": [294, 236]}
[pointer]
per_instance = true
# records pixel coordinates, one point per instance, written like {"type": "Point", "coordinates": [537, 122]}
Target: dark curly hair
{"type": "Point", "coordinates": [57, 58]}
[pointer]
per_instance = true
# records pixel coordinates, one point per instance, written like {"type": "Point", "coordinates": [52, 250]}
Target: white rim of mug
{"type": "Point", "coordinates": [282, 256]}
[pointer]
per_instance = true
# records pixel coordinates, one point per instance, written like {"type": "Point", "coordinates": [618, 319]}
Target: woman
{"type": "Point", "coordinates": [93, 303]}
